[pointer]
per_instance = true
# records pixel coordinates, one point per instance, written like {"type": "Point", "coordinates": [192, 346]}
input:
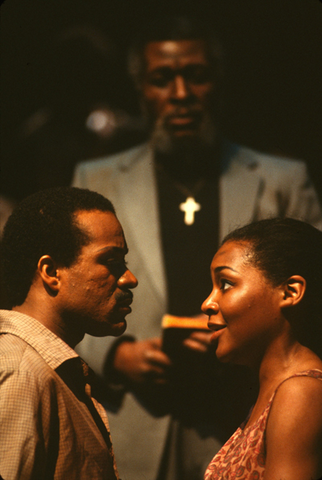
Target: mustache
{"type": "Point", "coordinates": [183, 112]}
{"type": "Point", "coordinates": [122, 296]}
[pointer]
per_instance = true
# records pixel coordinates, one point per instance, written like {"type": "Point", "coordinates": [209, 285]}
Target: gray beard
{"type": "Point", "coordinates": [187, 158]}
{"type": "Point", "coordinates": [162, 142]}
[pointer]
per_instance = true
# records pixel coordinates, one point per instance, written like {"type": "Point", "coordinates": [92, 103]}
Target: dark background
{"type": "Point", "coordinates": [62, 59]}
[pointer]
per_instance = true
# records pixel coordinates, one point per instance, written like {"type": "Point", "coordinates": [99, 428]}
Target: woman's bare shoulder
{"type": "Point", "coordinates": [297, 393]}
{"type": "Point", "coordinates": [294, 430]}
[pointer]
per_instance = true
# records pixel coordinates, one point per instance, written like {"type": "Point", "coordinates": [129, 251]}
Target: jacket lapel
{"type": "Point", "coordinates": [239, 190]}
{"type": "Point", "coordinates": [140, 220]}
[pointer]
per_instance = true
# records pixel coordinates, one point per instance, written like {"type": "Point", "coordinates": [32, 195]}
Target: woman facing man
{"type": "Point", "coordinates": [265, 310]}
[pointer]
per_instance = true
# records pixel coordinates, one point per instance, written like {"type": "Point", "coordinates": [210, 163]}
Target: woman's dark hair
{"type": "Point", "coordinates": [44, 224]}
{"type": "Point", "coordinates": [282, 247]}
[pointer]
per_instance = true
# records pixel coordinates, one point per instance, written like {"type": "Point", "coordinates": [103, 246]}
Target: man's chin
{"type": "Point", "coordinates": [108, 329]}
{"type": "Point", "coordinates": [119, 329]}
{"type": "Point", "coordinates": [168, 142]}
{"type": "Point", "coordinates": [185, 140]}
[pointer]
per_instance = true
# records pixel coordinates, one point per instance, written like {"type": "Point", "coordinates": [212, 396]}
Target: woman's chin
{"type": "Point", "coordinates": [226, 356]}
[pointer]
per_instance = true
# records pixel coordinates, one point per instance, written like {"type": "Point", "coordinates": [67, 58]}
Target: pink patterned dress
{"type": "Point", "coordinates": [243, 455]}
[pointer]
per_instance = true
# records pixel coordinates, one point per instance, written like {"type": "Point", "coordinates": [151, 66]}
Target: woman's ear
{"type": "Point", "coordinates": [47, 270]}
{"type": "Point", "coordinates": [293, 290]}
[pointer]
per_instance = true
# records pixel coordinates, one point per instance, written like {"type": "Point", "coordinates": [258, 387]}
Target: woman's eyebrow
{"type": "Point", "coordinates": [223, 267]}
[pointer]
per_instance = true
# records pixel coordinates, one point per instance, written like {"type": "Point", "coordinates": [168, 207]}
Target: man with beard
{"type": "Point", "coordinates": [177, 196]}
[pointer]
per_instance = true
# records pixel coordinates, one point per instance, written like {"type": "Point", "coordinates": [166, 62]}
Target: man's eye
{"type": "Point", "coordinates": [161, 78]}
{"type": "Point", "coordinates": [159, 81]}
{"type": "Point", "coordinates": [116, 267]}
{"type": "Point", "coordinates": [116, 262]}
{"type": "Point", "coordinates": [197, 75]}
{"type": "Point", "coordinates": [113, 262]}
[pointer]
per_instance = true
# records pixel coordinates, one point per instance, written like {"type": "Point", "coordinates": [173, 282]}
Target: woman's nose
{"type": "Point", "coordinates": [210, 306]}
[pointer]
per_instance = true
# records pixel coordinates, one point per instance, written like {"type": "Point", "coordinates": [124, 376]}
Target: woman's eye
{"type": "Point", "coordinates": [225, 284]}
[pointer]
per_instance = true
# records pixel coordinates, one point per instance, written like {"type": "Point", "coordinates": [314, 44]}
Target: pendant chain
{"type": "Point", "coordinates": [190, 206]}
{"type": "Point", "coordinates": [187, 192]}
{"type": "Point", "coordinates": [190, 192]}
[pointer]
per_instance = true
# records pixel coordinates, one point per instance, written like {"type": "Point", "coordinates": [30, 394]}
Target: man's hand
{"type": "Point", "coordinates": [198, 341]}
{"type": "Point", "coordinates": [142, 361]}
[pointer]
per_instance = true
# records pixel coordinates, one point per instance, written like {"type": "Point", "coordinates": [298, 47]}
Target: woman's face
{"type": "Point", "coordinates": [243, 307]}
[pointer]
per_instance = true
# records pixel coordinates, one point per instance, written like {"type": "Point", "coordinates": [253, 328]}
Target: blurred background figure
{"type": "Point", "coordinates": [74, 62]}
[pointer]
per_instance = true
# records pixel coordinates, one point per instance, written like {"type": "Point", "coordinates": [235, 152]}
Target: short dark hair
{"type": "Point", "coordinates": [282, 247]}
{"type": "Point", "coordinates": [44, 224]}
{"type": "Point", "coordinates": [174, 27]}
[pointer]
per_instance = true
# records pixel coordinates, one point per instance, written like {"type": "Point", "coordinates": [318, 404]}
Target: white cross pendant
{"type": "Point", "coordinates": [189, 207]}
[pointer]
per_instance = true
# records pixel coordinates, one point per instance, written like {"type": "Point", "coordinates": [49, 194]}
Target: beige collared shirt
{"type": "Point", "coordinates": [50, 426]}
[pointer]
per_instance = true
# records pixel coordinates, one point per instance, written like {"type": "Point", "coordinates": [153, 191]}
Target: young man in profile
{"type": "Point", "coordinates": [63, 255]}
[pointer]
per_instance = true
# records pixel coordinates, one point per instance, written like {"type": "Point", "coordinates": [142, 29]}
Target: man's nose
{"type": "Point", "coordinates": [128, 280]}
{"type": "Point", "coordinates": [210, 306]}
{"type": "Point", "coordinates": [180, 89]}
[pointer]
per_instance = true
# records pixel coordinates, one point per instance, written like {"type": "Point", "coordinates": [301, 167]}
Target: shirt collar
{"type": "Point", "coordinates": [50, 347]}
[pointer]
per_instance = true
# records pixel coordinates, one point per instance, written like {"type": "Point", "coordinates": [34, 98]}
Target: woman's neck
{"type": "Point", "coordinates": [278, 365]}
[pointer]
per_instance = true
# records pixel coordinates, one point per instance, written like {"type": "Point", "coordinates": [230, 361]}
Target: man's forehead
{"type": "Point", "coordinates": [193, 51]}
{"type": "Point", "coordinates": [87, 216]}
{"type": "Point", "coordinates": [97, 223]}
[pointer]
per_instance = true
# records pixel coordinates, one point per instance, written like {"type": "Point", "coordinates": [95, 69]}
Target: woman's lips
{"type": "Point", "coordinates": [218, 330]}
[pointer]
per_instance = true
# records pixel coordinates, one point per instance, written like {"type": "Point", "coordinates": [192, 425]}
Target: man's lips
{"type": "Point", "coordinates": [184, 120]}
{"type": "Point", "coordinates": [125, 300]}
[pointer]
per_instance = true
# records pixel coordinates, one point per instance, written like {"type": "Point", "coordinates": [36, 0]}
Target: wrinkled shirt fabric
{"type": "Point", "coordinates": [50, 426]}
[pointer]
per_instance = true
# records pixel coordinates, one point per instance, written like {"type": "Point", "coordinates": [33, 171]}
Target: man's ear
{"type": "Point", "coordinates": [48, 272]}
{"type": "Point", "coordinates": [293, 290]}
